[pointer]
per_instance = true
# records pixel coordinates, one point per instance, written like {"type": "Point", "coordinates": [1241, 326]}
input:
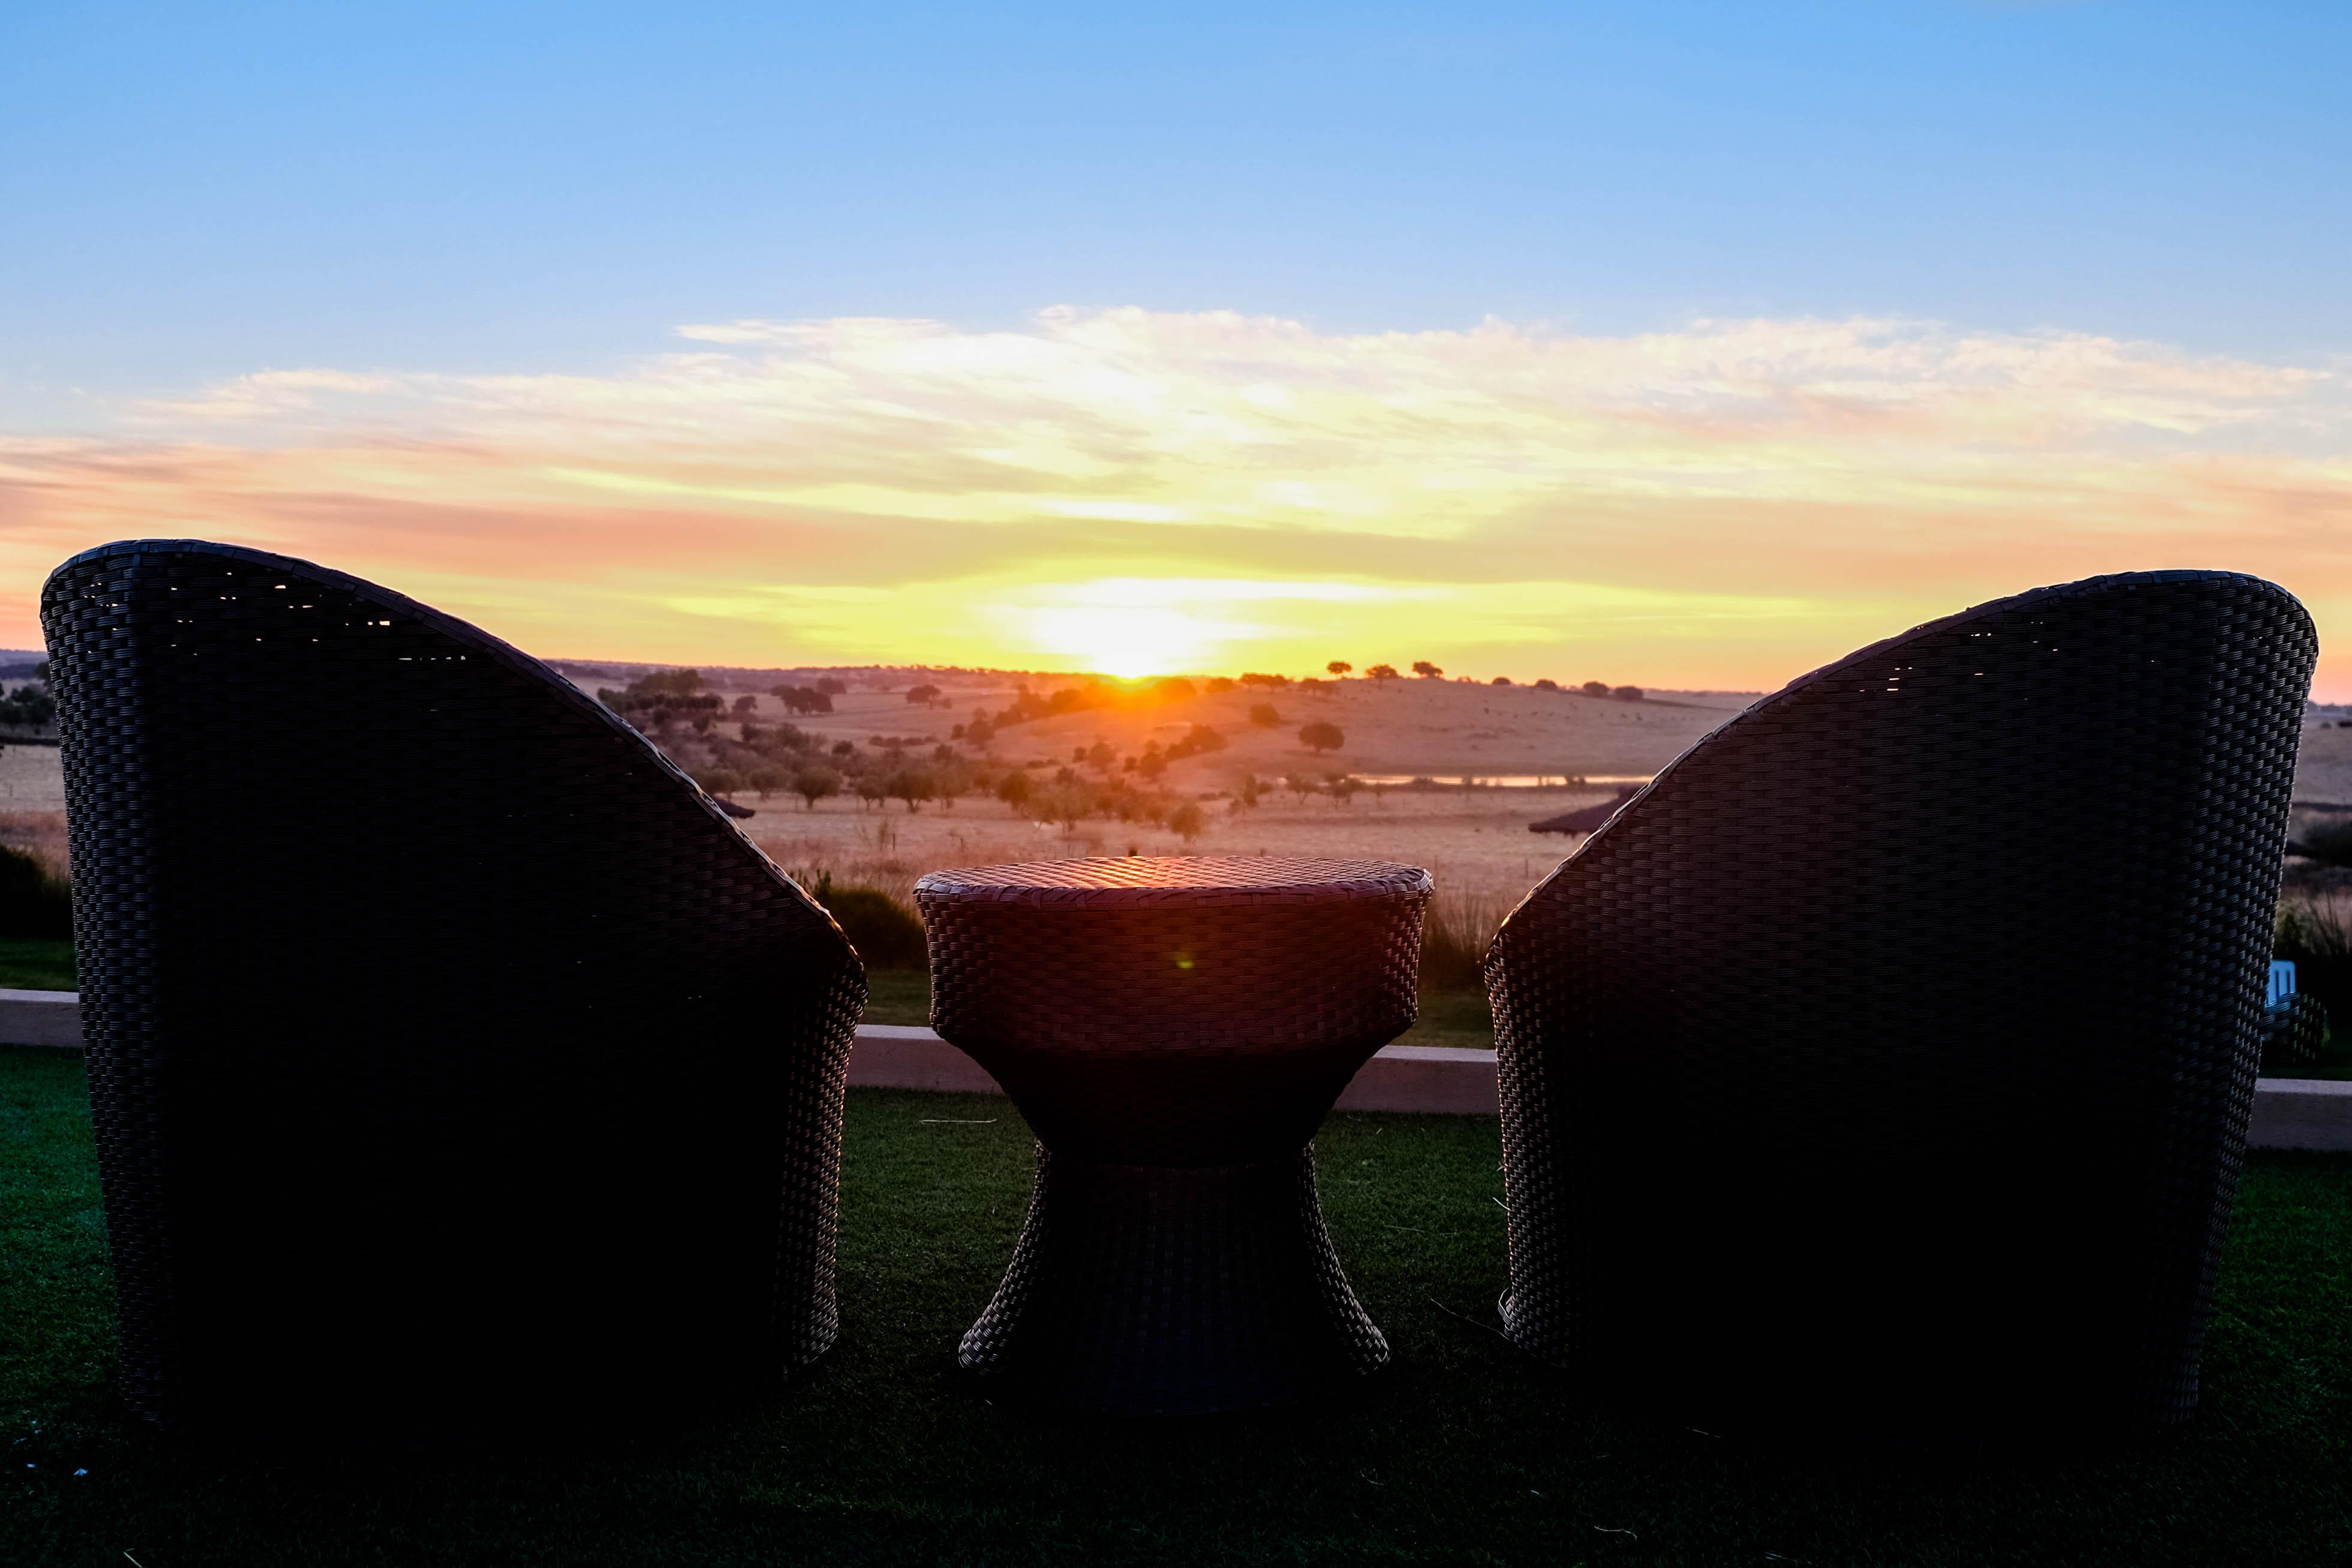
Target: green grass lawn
{"type": "Point", "coordinates": [36, 964]}
{"type": "Point", "coordinates": [904, 996]}
{"type": "Point", "coordinates": [1461, 1452]}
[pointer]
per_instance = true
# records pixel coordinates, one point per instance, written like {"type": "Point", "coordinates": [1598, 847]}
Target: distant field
{"type": "Point", "coordinates": [1475, 844]}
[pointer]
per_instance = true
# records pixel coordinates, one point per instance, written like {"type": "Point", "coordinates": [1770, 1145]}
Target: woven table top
{"type": "Point", "coordinates": [1140, 882]}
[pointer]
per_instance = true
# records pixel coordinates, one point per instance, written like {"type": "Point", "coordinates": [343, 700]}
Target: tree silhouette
{"type": "Point", "coordinates": [1340, 666]}
{"type": "Point", "coordinates": [1381, 672]}
{"type": "Point", "coordinates": [1320, 737]}
{"type": "Point", "coordinates": [1425, 670]}
{"type": "Point", "coordinates": [814, 784]}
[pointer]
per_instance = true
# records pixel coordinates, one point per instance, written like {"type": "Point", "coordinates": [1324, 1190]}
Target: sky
{"type": "Point", "coordinates": [1677, 344]}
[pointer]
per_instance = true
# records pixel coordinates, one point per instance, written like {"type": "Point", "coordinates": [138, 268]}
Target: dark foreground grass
{"type": "Point", "coordinates": [1460, 1452]}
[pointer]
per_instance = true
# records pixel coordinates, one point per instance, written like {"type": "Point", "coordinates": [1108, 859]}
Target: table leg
{"type": "Point", "coordinates": [1165, 1290]}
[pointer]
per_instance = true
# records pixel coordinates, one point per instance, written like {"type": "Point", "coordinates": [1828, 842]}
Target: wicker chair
{"type": "Point", "coordinates": [1886, 1064]}
{"type": "Point", "coordinates": [455, 1065]}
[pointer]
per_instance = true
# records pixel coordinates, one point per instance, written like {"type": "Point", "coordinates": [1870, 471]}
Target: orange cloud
{"type": "Point", "coordinates": [1725, 505]}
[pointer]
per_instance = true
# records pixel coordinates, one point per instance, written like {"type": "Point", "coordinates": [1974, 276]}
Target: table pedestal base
{"type": "Point", "coordinates": [1153, 1291]}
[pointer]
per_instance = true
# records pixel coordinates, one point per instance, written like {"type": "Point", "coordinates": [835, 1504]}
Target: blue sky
{"type": "Point", "coordinates": [198, 191]}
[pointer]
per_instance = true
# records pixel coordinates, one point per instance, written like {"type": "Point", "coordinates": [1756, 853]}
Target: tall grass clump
{"type": "Point", "coordinates": [2315, 936]}
{"type": "Point", "coordinates": [1454, 937]}
{"type": "Point", "coordinates": [887, 933]}
{"type": "Point", "coordinates": [34, 901]}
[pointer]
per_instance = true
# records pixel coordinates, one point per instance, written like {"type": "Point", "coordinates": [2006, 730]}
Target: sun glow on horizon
{"type": "Point", "coordinates": [1722, 506]}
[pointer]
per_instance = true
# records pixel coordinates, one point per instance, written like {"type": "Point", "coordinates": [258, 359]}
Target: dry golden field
{"type": "Point", "coordinates": [1474, 840]}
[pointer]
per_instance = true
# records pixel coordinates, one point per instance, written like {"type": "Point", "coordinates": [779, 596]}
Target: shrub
{"type": "Point", "coordinates": [33, 901]}
{"type": "Point", "coordinates": [2329, 842]}
{"type": "Point", "coordinates": [1454, 937]}
{"type": "Point", "coordinates": [2318, 939]}
{"type": "Point", "coordinates": [1263, 716]}
{"type": "Point", "coordinates": [886, 933]}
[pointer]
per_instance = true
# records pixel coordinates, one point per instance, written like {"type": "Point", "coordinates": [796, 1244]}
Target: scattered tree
{"type": "Point", "coordinates": [1339, 668]}
{"type": "Point", "coordinates": [28, 705]}
{"type": "Point", "coordinates": [1627, 694]}
{"type": "Point", "coordinates": [1014, 790]}
{"type": "Point", "coordinates": [1185, 821]}
{"type": "Point", "coordinates": [1342, 787]}
{"type": "Point", "coordinates": [1320, 737]}
{"type": "Point", "coordinates": [924, 694]}
{"type": "Point", "coordinates": [912, 785]}
{"type": "Point", "coordinates": [1263, 716]}
{"type": "Point", "coordinates": [1500, 681]}
{"type": "Point", "coordinates": [1425, 670]}
{"type": "Point", "coordinates": [1299, 786]}
{"type": "Point", "coordinates": [1547, 685]}
{"type": "Point", "coordinates": [831, 687]}
{"type": "Point", "coordinates": [870, 789]}
{"type": "Point", "coordinates": [1219, 684]}
{"type": "Point", "coordinates": [662, 699]}
{"type": "Point", "coordinates": [815, 783]}
{"type": "Point", "coordinates": [844, 748]}
{"type": "Point", "coordinates": [746, 704]}
{"type": "Point", "coordinates": [767, 779]}
{"type": "Point", "coordinates": [803, 699]}
{"type": "Point", "coordinates": [1381, 674]}
{"type": "Point", "coordinates": [719, 780]}
{"type": "Point", "coordinates": [1594, 688]}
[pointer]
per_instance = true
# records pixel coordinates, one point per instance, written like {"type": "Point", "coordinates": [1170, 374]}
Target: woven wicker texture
{"type": "Point", "coordinates": [1886, 1062]}
{"type": "Point", "coordinates": [2293, 1033]}
{"type": "Point", "coordinates": [1174, 1030]}
{"type": "Point", "coordinates": [454, 1063]}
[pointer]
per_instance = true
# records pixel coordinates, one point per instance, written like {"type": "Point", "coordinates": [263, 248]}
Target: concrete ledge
{"type": "Point", "coordinates": [41, 1018]}
{"type": "Point", "coordinates": [2301, 1113]}
{"type": "Point", "coordinates": [895, 1056]}
{"type": "Point", "coordinates": [2289, 1112]}
{"type": "Point", "coordinates": [1425, 1078]}
{"type": "Point", "coordinates": [1452, 1081]}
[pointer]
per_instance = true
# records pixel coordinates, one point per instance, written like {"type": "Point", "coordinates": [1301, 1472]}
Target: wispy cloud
{"type": "Point", "coordinates": [1723, 504]}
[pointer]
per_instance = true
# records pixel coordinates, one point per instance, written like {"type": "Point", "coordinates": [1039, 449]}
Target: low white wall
{"type": "Point", "coordinates": [2289, 1112]}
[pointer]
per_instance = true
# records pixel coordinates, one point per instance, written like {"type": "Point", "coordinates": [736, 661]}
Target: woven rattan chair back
{"type": "Point", "coordinates": [1886, 1062]}
{"type": "Point", "coordinates": [454, 1065]}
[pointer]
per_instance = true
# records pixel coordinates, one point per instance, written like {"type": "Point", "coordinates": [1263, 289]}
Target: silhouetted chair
{"type": "Point", "coordinates": [455, 1065]}
{"type": "Point", "coordinates": [1885, 1065]}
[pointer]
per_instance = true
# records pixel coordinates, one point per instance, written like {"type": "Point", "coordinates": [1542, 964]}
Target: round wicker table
{"type": "Point", "coordinates": [1174, 1029]}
